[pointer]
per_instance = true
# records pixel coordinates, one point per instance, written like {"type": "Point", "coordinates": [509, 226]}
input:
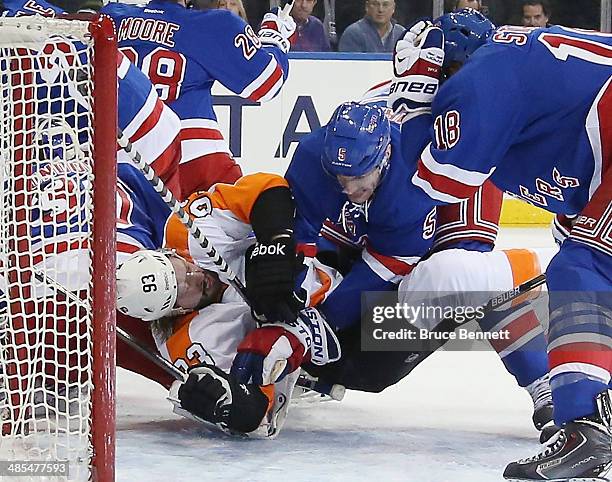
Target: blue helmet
{"type": "Point", "coordinates": [356, 139]}
{"type": "Point", "coordinates": [464, 31]}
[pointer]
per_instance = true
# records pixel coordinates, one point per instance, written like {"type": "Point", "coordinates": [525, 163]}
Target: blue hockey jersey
{"type": "Point", "coordinates": [185, 51]}
{"type": "Point", "coordinates": [532, 110]}
{"type": "Point", "coordinates": [17, 8]}
{"type": "Point", "coordinates": [471, 224]}
{"type": "Point", "coordinates": [397, 223]}
{"type": "Point", "coordinates": [152, 128]}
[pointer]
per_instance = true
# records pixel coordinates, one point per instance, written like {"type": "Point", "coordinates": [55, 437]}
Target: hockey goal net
{"type": "Point", "coordinates": [57, 246]}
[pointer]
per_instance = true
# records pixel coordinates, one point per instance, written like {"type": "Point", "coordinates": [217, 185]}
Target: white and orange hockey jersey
{"type": "Point", "coordinates": [212, 334]}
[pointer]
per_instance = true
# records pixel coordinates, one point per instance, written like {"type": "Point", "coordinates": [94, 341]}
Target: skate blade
{"type": "Point", "coordinates": [602, 477]}
{"type": "Point", "coordinates": [309, 397]}
{"type": "Point", "coordinates": [571, 479]}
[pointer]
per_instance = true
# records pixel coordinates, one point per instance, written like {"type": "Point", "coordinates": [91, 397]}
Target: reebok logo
{"type": "Point", "coordinates": [271, 250]}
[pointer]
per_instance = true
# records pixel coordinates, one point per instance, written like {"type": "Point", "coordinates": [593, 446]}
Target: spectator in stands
{"type": "Point", "coordinates": [536, 13]}
{"type": "Point", "coordinates": [74, 6]}
{"type": "Point", "coordinates": [475, 4]}
{"type": "Point", "coordinates": [311, 36]}
{"type": "Point", "coordinates": [375, 32]}
{"type": "Point", "coordinates": [235, 6]}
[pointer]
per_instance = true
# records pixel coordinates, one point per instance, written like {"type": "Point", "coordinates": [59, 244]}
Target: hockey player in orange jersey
{"type": "Point", "coordinates": [198, 321]}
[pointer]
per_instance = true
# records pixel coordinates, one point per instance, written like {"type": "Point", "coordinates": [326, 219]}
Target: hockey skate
{"type": "Point", "coordinates": [308, 389]}
{"type": "Point", "coordinates": [580, 452]}
{"type": "Point", "coordinates": [542, 408]}
{"type": "Point", "coordinates": [544, 423]}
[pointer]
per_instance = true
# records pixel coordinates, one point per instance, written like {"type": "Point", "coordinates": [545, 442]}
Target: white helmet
{"type": "Point", "coordinates": [146, 285]}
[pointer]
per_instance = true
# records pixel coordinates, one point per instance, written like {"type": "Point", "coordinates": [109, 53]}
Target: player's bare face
{"type": "Point", "coordinates": [197, 287]}
{"type": "Point", "coordinates": [360, 188]}
{"type": "Point", "coordinates": [230, 5]}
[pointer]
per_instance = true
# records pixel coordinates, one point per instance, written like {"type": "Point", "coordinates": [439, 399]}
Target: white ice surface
{"type": "Point", "coordinates": [458, 417]}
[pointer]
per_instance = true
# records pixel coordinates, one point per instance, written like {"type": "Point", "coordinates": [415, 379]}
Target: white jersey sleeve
{"type": "Point", "coordinates": [463, 278]}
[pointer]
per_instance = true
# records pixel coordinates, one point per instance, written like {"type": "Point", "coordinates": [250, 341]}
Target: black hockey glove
{"type": "Point", "coordinates": [215, 396]}
{"type": "Point", "coordinates": [271, 264]}
{"type": "Point", "coordinates": [270, 271]}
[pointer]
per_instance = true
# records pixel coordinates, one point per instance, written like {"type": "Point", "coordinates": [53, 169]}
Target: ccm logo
{"type": "Point", "coordinates": [414, 87]}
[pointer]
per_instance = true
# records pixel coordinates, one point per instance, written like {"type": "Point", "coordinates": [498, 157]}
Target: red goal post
{"type": "Point", "coordinates": [58, 131]}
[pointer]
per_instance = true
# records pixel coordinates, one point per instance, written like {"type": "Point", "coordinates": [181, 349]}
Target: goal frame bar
{"type": "Point", "coordinates": [104, 247]}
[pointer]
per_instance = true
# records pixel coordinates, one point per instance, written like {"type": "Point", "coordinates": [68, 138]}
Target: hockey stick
{"type": "Point", "coordinates": [516, 292]}
{"type": "Point", "coordinates": [448, 324]}
{"type": "Point", "coordinates": [330, 20]}
{"type": "Point", "coordinates": [176, 208]}
{"type": "Point", "coordinates": [333, 390]}
{"type": "Point", "coordinates": [158, 360]}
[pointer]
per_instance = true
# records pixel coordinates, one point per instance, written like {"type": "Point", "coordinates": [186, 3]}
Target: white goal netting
{"type": "Point", "coordinates": [46, 242]}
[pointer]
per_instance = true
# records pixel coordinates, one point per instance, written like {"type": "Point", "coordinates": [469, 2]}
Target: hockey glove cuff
{"type": "Point", "coordinates": [417, 65]}
{"type": "Point", "coordinates": [268, 354]}
{"type": "Point", "coordinates": [278, 28]}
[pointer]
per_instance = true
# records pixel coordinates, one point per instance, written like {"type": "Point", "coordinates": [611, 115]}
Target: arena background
{"type": "Point", "coordinates": [575, 13]}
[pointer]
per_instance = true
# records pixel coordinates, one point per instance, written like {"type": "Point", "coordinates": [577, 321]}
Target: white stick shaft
{"type": "Point", "coordinates": [176, 208]}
